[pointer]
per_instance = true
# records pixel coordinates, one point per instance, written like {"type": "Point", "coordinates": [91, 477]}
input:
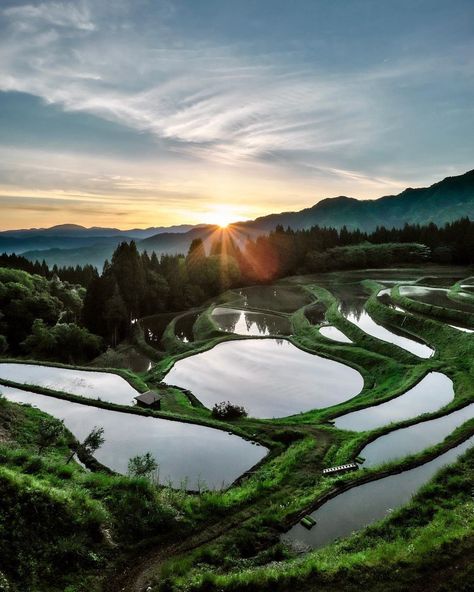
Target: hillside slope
{"type": "Point", "coordinates": [445, 201]}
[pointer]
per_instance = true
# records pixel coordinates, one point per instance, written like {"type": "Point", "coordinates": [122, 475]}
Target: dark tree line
{"type": "Point", "coordinates": [285, 251]}
{"type": "Point", "coordinates": [135, 284]}
{"type": "Point", "coordinates": [82, 275]}
{"type": "Point", "coordinates": [40, 318]}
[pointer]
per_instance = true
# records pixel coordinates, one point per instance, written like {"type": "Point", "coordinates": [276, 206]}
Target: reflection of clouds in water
{"type": "Point", "coordinates": [183, 451]}
{"type": "Point", "coordinates": [104, 385]}
{"type": "Point", "coordinates": [280, 379]}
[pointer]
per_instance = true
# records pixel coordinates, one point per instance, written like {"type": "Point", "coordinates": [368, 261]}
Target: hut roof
{"type": "Point", "coordinates": [148, 398]}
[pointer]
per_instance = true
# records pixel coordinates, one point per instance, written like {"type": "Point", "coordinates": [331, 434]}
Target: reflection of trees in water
{"type": "Point", "coordinates": [270, 324]}
{"type": "Point", "coordinates": [266, 324]}
{"type": "Point", "coordinates": [153, 327]}
{"type": "Point", "coordinates": [281, 298]}
{"type": "Point", "coordinates": [351, 296]}
{"type": "Point", "coordinates": [228, 320]}
{"type": "Point", "coordinates": [315, 313]}
{"type": "Point", "coordinates": [353, 307]}
{"type": "Point", "coordinates": [184, 327]}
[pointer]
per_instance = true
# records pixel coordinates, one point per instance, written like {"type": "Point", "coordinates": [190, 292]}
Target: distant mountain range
{"type": "Point", "coordinates": [442, 202]}
{"type": "Point", "coordinates": [70, 244]}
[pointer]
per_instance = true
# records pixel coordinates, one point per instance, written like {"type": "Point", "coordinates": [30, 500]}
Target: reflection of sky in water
{"type": "Point", "coordinates": [93, 385]}
{"type": "Point", "coordinates": [365, 322]}
{"type": "Point", "coordinates": [360, 506]}
{"type": "Point", "coordinates": [415, 438]}
{"type": "Point", "coordinates": [435, 297]}
{"type": "Point", "coordinates": [434, 391]}
{"type": "Point", "coordinates": [335, 334]}
{"type": "Point", "coordinates": [183, 451]}
{"type": "Point", "coordinates": [269, 377]}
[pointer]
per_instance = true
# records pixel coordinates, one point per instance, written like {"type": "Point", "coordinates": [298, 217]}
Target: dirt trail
{"type": "Point", "coordinates": [142, 568]}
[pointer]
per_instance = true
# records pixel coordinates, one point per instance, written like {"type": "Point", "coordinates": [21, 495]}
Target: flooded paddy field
{"type": "Point", "coordinates": [415, 438]}
{"type": "Point", "coordinates": [335, 334]}
{"type": "Point", "coordinates": [435, 297]}
{"type": "Point", "coordinates": [90, 384]}
{"type": "Point", "coordinates": [154, 327]}
{"type": "Point", "coordinates": [433, 392]}
{"type": "Point", "coordinates": [269, 377]}
{"type": "Point", "coordinates": [364, 504]}
{"type": "Point", "coordinates": [245, 322]}
{"type": "Point", "coordinates": [365, 322]}
{"type": "Point", "coordinates": [188, 455]}
{"type": "Point", "coordinates": [276, 297]}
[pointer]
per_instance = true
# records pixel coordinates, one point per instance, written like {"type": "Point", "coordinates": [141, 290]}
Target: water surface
{"type": "Point", "coordinates": [365, 322]}
{"type": "Point", "coordinates": [185, 452]}
{"type": "Point", "coordinates": [245, 322]}
{"type": "Point", "coordinates": [434, 391]}
{"type": "Point", "coordinates": [93, 385]}
{"type": "Point", "coordinates": [464, 329]}
{"type": "Point", "coordinates": [315, 313]}
{"type": "Point", "coordinates": [275, 297]}
{"type": "Point", "coordinates": [269, 377]}
{"type": "Point", "coordinates": [435, 297]}
{"type": "Point", "coordinates": [154, 327]}
{"type": "Point", "coordinates": [335, 334]}
{"type": "Point", "coordinates": [183, 327]}
{"type": "Point", "coordinates": [410, 440]}
{"type": "Point", "coordinates": [360, 506]}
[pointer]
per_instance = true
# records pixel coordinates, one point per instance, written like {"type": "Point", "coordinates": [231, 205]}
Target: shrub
{"type": "Point", "coordinates": [142, 466]}
{"type": "Point", "coordinates": [227, 410]}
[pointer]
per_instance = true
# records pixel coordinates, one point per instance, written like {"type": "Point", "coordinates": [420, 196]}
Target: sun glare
{"type": "Point", "coordinates": [222, 216]}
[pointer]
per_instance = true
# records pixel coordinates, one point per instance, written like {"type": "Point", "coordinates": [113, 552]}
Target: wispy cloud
{"type": "Point", "coordinates": [58, 14]}
{"type": "Point", "coordinates": [243, 119]}
{"type": "Point", "coordinates": [220, 102]}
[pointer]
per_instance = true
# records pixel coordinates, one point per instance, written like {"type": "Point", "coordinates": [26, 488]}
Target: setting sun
{"type": "Point", "coordinates": [221, 215]}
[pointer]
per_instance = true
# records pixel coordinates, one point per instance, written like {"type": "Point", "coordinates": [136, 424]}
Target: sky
{"type": "Point", "coordinates": [138, 113]}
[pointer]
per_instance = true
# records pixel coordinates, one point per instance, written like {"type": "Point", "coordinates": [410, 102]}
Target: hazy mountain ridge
{"type": "Point", "coordinates": [442, 202]}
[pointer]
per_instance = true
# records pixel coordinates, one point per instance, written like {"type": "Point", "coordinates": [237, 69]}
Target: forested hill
{"type": "Point", "coordinates": [445, 201]}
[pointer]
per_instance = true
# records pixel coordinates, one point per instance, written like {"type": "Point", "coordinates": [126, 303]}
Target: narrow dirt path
{"type": "Point", "coordinates": [142, 568]}
{"type": "Point", "coordinates": [144, 565]}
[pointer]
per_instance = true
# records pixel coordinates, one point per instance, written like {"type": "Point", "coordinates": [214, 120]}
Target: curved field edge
{"type": "Point", "coordinates": [287, 484]}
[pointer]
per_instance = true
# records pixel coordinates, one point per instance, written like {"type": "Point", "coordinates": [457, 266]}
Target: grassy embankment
{"type": "Point", "coordinates": [289, 483]}
{"type": "Point", "coordinates": [438, 523]}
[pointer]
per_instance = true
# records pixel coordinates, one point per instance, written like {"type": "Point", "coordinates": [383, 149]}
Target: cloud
{"type": "Point", "coordinates": [59, 14]}
{"type": "Point", "coordinates": [219, 103]}
{"type": "Point", "coordinates": [275, 121]}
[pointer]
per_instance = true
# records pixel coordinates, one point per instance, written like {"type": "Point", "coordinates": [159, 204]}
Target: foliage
{"type": "Point", "coordinates": [64, 342]}
{"type": "Point", "coordinates": [45, 532]}
{"type": "Point", "coordinates": [82, 275]}
{"type": "Point", "coordinates": [142, 466]}
{"type": "Point", "coordinates": [49, 432]}
{"type": "Point", "coordinates": [91, 443]}
{"type": "Point", "coordinates": [227, 410]}
{"type": "Point", "coordinates": [39, 317]}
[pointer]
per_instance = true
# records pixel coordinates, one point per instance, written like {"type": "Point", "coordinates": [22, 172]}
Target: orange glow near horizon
{"type": "Point", "coordinates": [221, 215]}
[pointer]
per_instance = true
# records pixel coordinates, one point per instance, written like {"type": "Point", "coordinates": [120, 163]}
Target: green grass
{"type": "Point", "coordinates": [231, 538]}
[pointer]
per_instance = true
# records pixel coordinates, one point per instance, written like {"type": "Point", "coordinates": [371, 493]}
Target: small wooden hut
{"type": "Point", "coordinates": [150, 400]}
